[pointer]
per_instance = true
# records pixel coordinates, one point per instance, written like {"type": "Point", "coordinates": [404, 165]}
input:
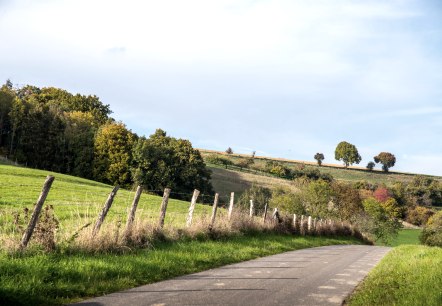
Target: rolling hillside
{"type": "Point", "coordinates": [236, 179]}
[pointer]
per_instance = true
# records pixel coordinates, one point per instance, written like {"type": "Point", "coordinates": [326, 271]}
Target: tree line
{"type": "Point", "coordinates": [52, 129]}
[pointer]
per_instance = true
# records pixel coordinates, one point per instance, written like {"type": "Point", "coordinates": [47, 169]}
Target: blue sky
{"type": "Point", "coordinates": [283, 78]}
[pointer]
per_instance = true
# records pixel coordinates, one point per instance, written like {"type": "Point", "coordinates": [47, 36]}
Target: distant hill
{"type": "Point", "coordinates": [240, 179]}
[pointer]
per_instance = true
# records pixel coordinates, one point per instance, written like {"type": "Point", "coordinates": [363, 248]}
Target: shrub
{"type": "Point", "coordinates": [432, 232]}
{"type": "Point", "coordinates": [419, 215]}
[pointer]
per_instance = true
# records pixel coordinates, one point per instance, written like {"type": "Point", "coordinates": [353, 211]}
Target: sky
{"type": "Point", "coordinates": [284, 78]}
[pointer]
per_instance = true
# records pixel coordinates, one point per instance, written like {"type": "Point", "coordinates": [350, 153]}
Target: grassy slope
{"type": "Point", "coordinates": [77, 201]}
{"type": "Point", "coordinates": [406, 236]}
{"type": "Point", "coordinates": [408, 275]}
{"type": "Point", "coordinates": [225, 181]}
{"type": "Point", "coordinates": [352, 174]}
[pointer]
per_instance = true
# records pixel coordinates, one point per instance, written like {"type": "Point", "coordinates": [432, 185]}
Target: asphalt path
{"type": "Point", "coordinates": [315, 276]}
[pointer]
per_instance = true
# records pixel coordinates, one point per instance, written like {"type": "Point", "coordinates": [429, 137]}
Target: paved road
{"type": "Point", "coordinates": [316, 276]}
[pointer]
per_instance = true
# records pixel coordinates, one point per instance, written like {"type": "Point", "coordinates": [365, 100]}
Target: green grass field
{"type": "Point", "coordinates": [78, 201]}
{"type": "Point", "coordinates": [408, 275]}
{"type": "Point", "coordinates": [406, 236]}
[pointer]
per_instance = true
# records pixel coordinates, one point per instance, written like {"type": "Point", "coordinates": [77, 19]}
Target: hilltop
{"type": "Point", "coordinates": [238, 179]}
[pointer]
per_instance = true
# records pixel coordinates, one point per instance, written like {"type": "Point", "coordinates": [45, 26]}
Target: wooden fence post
{"type": "Point", "coordinates": [294, 221]}
{"type": "Point", "coordinates": [196, 193]}
{"type": "Point", "coordinates": [105, 210]}
{"type": "Point", "coordinates": [214, 208]}
{"type": "Point", "coordinates": [309, 224]}
{"type": "Point", "coordinates": [36, 213]}
{"type": "Point", "coordinates": [232, 199]}
{"type": "Point", "coordinates": [131, 215]}
{"type": "Point", "coordinates": [252, 209]}
{"type": "Point", "coordinates": [164, 207]}
{"type": "Point", "coordinates": [265, 212]}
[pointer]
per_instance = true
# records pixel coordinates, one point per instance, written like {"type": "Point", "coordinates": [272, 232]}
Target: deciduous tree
{"type": "Point", "coordinates": [319, 158]}
{"type": "Point", "coordinates": [347, 153]}
{"type": "Point", "coordinates": [386, 159]}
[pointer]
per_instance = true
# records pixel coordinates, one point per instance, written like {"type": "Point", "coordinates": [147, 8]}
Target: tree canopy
{"type": "Point", "coordinates": [347, 153]}
{"type": "Point", "coordinates": [386, 159]}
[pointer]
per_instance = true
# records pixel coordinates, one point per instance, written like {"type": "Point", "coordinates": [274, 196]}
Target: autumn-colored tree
{"type": "Point", "coordinates": [382, 194]}
{"type": "Point", "coordinates": [346, 201]}
{"type": "Point", "coordinates": [113, 154]}
{"type": "Point", "coordinates": [386, 159]}
{"type": "Point", "coordinates": [347, 153]}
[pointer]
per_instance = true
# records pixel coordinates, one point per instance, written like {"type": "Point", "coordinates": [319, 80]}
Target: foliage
{"type": "Point", "coordinates": [432, 232]}
{"type": "Point", "coordinates": [218, 160]}
{"type": "Point", "coordinates": [347, 153]}
{"type": "Point", "coordinates": [381, 194]}
{"type": "Point", "coordinates": [162, 161]}
{"type": "Point", "coordinates": [316, 198]}
{"type": "Point", "coordinates": [52, 129]}
{"type": "Point", "coordinates": [378, 223]}
{"type": "Point", "coordinates": [113, 154]}
{"type": "Point", "coordinates": [319, 158]}
{"type": "Point", "coordinates": [371, 165]}
{"type": "Point", "coordinates": [287, 201]}
{"type": "Point", "coordinates": [229, 150]}
{"type": "Point", "coordinates": [346, 201]}
{"type": "Point", "coordinates": [278, 169]}
{"type": "Point", "coordinates": [419, 215]}
{"type": "Point", "coordinates": [245, 162]}
{"type": "Point", "coordinates": [386, 159]}
{"type": "Point", "coordinates": [260, 196]}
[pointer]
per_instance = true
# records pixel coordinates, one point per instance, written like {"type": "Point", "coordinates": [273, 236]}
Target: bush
{"type": "Point", "coordinates": [432, 232]}
{"type": "Point", "coordinates": [419, 215]}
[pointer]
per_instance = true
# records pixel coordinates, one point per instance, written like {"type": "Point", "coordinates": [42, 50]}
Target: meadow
{"type": "Point", "coordinates": [408, 275]}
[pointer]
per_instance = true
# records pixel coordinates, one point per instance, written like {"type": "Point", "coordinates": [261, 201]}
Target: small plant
{"type": "Point", "coordinates": [44, 232]}
{"type": "Point", "coordinates": [432, 232]}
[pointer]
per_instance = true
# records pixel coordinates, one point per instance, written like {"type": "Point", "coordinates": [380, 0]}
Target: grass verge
{"type": "Point", "coordinates": [58, 278]}
{"type": "Point", "coordinates": [408, 275]}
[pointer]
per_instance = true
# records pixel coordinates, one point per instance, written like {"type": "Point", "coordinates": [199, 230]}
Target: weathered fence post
{"type": "Point", "coordinates": [131, 215]}
{"type": "Point", "coordinates": [294, 221]}
{"type": "Point", "coordinates": [314, 223]}
{"type": "Point", "coordinates": [309, 224]}
{"type": "Point", "coordinates": [276, 215]}
{"type": "Point", "coordinates": [214, 208]}
{"type": "Point", "coordinates": [232, 199]}
{"type": "Point", "coordinates": [265, 212]}
{"type": "Point", "coordinates": [34, 218]}
{"type": "Point", "coordinates": [164, 207]}
{"type": "Point", "coordinates": [104, 211]}
{"type": "Point", "coordinates": [196, 193]}
{"type": "Point", "coordinates": [252, 209]}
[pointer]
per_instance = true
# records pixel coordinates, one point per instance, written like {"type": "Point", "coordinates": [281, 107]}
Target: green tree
{"type": "Point", "coordinates": [287, 201]}
{"type": "Point", "coordinates": [347, 153]}
{"type": "Point", "coordinates": [161, 161]}
{"type": "Point", "coordinates": [6, 99]}
{"type": "Point", "coordinates": [379, 224]}
{"type": "Point", "coordinates": [80, 133]}
{"type": "Point", "coordinates": [319, 158]}
{"type": "Point", "coordinates": [370, 166]}
{"type": "Point", "coordinates": [386, 159]}
{"type": "Point", "coordinates": [316, 198]}
{"type": "Point", "coordinates": [113, 154]}
{"type": "Point", "coordinates": [229, 150]}
{"type": "Point", "coordinates": [346, 201]}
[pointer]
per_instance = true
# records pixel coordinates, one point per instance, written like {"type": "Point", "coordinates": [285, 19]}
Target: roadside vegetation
{"type": "Point", "coordinates": [408, 275]}
{"type": "Point", "coordinates": [57, 278]}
